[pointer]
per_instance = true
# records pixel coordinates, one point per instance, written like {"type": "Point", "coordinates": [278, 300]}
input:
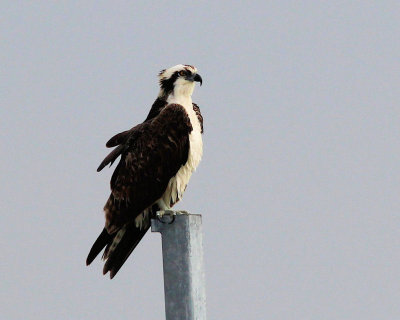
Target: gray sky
{"type": "Point", "coordinates": [300, 179]}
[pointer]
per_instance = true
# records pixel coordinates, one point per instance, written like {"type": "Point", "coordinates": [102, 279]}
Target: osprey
{"type": "Point", "coordinates": [158, 156]}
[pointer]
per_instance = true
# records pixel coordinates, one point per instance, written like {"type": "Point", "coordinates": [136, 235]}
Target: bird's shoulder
{"type": "Point", "coordinates": [172, 117]}
{"type": "Point", "coordinates": [172, 122]}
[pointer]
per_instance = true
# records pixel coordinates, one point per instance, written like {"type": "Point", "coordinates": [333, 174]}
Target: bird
{"type": "Point", "coordinates": [157, 159]}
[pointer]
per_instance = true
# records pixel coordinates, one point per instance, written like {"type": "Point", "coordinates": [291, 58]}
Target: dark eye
{"type": "Point", "coordinates": [182, 73]}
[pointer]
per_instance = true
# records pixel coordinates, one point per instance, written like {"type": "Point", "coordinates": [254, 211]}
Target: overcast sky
{"type": "Point", "coordinates": [300, 179]}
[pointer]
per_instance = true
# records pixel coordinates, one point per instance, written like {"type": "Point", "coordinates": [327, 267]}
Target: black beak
{"type": "Point", "coordinates": [198, 78]}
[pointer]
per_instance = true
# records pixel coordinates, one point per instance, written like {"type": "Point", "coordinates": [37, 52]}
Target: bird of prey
{"type": "Point", "coordinates": [158, 156]}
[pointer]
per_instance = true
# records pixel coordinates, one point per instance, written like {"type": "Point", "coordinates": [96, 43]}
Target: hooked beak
{"type": "Point", "coordinates": [196, 78]}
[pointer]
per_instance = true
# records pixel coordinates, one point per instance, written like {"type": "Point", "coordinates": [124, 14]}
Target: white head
{"type": "Point", "coordinates": [178, 80]}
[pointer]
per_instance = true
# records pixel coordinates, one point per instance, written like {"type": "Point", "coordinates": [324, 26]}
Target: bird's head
{"type": "Point", "coordinates": [178, 80]}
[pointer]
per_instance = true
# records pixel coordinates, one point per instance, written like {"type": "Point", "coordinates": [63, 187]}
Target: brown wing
{"type": "Point", "coordinates": [152, 154]}
{"type": "Point", "coordinates": [118, 140]}
{"type": "Point", "coordinates": [156, 108]}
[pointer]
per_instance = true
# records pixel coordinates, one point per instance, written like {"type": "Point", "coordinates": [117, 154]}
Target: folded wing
{"type": "Point", "coordinates": [151, 154]}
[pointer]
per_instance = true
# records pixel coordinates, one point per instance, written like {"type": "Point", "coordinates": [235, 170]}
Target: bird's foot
{"type": "Point", "coordinates": [168, 216]}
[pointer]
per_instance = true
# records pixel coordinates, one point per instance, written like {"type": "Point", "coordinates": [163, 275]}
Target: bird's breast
{"type": "Point", "coordinates": [177, 184]}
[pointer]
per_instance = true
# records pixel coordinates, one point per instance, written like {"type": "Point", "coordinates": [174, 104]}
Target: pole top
{"type": "Point", "coordinates": [166, 217]}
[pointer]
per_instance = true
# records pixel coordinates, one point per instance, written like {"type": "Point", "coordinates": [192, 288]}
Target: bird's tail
{"type": "Point", "coordinates": [102, 240]}
{"type": "Point", "coordinates": [119, 250]}
{"type": "Point", "coordinates": [118, 246]}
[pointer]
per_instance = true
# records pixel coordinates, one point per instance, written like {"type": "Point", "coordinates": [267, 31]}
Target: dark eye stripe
{"type": "Point", "coordinates": [168, 84]}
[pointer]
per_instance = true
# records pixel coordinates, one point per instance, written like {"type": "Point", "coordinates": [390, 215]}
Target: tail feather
{"type": "Point", "coordinates": [118, 246]}
{"type": "Point", "coordinates": [103, 240]}
{"type": "Point", "coordinates": [122, 250]}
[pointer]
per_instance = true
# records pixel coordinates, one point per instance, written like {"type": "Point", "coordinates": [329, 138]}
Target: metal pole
{"type": "Point", "coordinates": [184, 280]}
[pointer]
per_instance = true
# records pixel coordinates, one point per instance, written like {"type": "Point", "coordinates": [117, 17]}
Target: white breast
{"type": "Point", "coordinates": [178, 183]}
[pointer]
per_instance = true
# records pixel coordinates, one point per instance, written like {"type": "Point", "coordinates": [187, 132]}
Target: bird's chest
{"type": "Point", "coordinates": [178, 183]}
{"type": "Point", "coordinates": [195, 138]}
{"type": "Point", "coordinates": [195, 141]}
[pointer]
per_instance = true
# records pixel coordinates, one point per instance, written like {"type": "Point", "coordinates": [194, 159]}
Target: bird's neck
{"type": "Point", "coordinates": [184, 100]}
{"type": "Point", "coordinates": [182, 94]}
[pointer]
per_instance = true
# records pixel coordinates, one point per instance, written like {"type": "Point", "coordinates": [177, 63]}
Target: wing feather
{"type": "Point", "coordinates": [118, 138]}
{"type": "Point", "coordinates": [112, 156]}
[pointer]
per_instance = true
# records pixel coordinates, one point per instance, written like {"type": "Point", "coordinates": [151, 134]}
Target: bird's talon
{"type": "Point", "coordinates": [160, 216]}
{"type": "Point", "coordinates": [173, 219]}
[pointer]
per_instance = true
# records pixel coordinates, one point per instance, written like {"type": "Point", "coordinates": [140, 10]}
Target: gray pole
{"type": "Point", "coordinates": [182, 247]}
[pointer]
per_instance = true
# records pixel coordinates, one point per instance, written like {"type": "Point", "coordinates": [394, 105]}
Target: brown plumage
{"type": "Point", "coordinates": [151, 154]}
